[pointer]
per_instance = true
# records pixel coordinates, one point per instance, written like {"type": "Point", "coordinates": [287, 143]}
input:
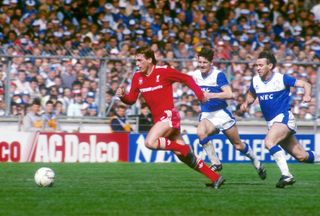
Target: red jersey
{"type": "Point", "coordinates": [156, 88]}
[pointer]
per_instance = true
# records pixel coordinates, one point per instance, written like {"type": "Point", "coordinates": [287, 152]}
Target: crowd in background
{"type": "Point", "coordinates": [237, 30]}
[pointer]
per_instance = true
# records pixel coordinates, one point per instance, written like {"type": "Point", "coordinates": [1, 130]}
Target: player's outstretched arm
{"type": "Point", "coordinates": [225, 94]}
{"type": "Point", "coordinates": [177, 76]}
{"type": "Point", "coordinates": [250, 98]}
{"type": "Point", "coordinates": [129, 98]}
{"type": "Point", "coordinates": [307, 90]}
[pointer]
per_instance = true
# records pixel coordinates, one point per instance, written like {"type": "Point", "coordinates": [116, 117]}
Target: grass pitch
{"type": "Point", "coordinates": [156, 189]}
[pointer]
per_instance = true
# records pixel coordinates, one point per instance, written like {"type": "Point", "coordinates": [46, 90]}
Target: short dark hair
{"type": "Point", "coordinates": [121, 106]}
{"type": "Point", "coordinates": [49, 102]}
{"type": "Point", "coordinates": [271, 59]}
{"type": "Point", "coordinates": [36, 101]}
{"type": "Point", "coordinates": [144, 105]}
{"type": "Point", "coordinates": [148, 53]}
{"type": "Point", "coordinates": [58, 102]}
{"type": "Point", "coordinates": [206, 53]}
{"type": "Point", "coordinates": [34, 80]}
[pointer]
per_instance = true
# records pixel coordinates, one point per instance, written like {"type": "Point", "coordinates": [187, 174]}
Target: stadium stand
{"type": "Point", "coordinates": [56, 49]}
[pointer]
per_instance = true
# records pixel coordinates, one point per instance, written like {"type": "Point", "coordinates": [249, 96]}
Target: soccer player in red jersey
{"type": "Point", "coordinates": [155, 84]}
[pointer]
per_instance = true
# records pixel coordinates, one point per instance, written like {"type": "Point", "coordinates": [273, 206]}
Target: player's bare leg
{"type": "Point", "coordinates": [277, 134]}
{"type": "Point", "coordinates": [233, 136]}
{"type": "Point", "coordinates": [206, 128]}
{"type": "Point", "coordinates": [293, 147]}
{"type": "Point", "coordinates": [156, 139]}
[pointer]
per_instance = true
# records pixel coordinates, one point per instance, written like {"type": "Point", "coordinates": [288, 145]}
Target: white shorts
{"type": "Point", "coordinates": [221, 119]}
{"type": "Point", "coordinates": [285, 118]}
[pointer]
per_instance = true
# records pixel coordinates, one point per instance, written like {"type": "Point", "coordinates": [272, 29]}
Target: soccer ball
{"type": "Point", "coordinates": [44, 177]}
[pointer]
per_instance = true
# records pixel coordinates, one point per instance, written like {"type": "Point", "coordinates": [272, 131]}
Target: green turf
{"type": "Point", "coordinates": [156, 189]}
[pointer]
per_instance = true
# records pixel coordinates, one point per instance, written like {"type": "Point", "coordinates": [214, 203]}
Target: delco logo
{"type": "Point", "coordinates": [70, 148]}
{"type": "Point", "coordinates": [266, 97]}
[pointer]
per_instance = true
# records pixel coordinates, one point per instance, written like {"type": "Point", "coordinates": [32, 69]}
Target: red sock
{"type": "Point", "coordinates": [166, 144]}
{"type": "Point", "coordinates": [205, 170]}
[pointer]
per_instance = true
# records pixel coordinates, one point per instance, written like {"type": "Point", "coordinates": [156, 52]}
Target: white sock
{"type": "Point", "coordinates": [208, 147]}
{"type": "Point", "coordinates": [281, 162]}
{"type": "Point", "coordinates": [316, 157]}
{"type": "Point", "coordinates": [256, 163]}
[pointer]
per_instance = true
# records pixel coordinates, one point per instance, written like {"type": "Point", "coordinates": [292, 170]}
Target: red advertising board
{"type": "Point", "coordinates": [10, 151]}
{"type": "Point", "coordinates": [64, 147]}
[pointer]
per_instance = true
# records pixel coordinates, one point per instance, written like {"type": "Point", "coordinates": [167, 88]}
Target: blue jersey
{"type": "Point", "coordinates": [273, 94]}
{"type": "Point", "coordinates": [212, 83]}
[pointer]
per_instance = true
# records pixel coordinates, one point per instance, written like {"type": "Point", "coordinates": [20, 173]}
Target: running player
{"type": "Point", "coordinates": [215, 116]}
{"type": "Point", "coordinates": [273, 91]}
{"type": "Point", "coordinates": [155, 84]}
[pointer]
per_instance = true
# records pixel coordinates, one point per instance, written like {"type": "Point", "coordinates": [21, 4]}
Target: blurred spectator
{"type": "Point", "coordinates": [25, 98]}
{"type": "Point", "coordinates": [50, 117]}
{"type": "Point", "coordinates": [190, 113]}
{"type": "Point", "coordinates": [68, 75]}
{"type": "Point", "coordinates": [21, 82]}
{"type": "Point", "coordinates": [59, 108]}
{"type": "Point", "coordinates": [16, 97]}
{"type": "Point", "coordinates": [119, 121]}
{"type": "Point", "coordinates": [109, 102]}
{"type": "Point", "coordinates": [75, 105]}
{"type": "Point", "coordinates": [66, 98]}
{"type": "Point", "coordinates": [91, 104]}
{"type": "Point", "coordinates": [145, 119]}
{"type": "Point", "coordinates": [239, 100]}
{"type": "Point", "coordinates": [52, 95]}
{"type": "Point", "coordinates": [92, 110]}
{"type": "Point", "coordinates": [34, 89]}
{"type": "Point", "coordinates": [257, 113]}
{"type": "Point", "coordinates": [33, 120]}
{"type": "Point", "coordinates": [2, 106]}
{"type": "Point", "coordinates": [195, 105]}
